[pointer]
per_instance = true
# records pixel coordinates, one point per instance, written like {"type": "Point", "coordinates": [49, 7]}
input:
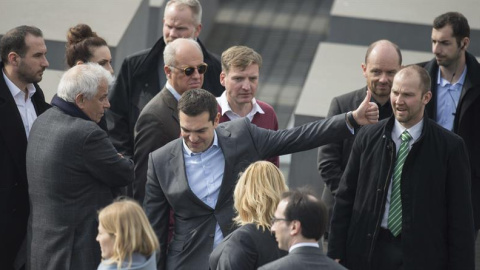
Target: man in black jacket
{"type": "Point", "coordinates": [455, 89]}
{"type": "Point", "coordinates": [23, 61]}
{"type": "Point", "coordinates": [142, 74]}
{"type": "Point", "coordinates": [405, 204]}
{"type": "Point", "coordinates": [382, 61]}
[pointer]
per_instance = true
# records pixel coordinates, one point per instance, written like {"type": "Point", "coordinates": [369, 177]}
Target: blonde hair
{"type": "Point", "coordinates": [257, 194]}
{"type": "Point", "coordinates": [126, 220]}
{"type": "Point", "coordinates": [240, 57]}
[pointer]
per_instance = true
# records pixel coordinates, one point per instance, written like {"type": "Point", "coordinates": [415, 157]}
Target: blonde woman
{"type": "Point", "coordinates": [256, 196]}
{"type": "Point", "coordinates": [126, 238]}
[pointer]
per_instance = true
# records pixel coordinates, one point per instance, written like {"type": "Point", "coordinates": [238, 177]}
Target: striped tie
{"type": "Point", "coordinates": [395, 213]}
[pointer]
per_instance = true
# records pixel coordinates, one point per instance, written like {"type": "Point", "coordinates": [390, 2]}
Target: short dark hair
{"type": "Point", "coordinates": [196, 101]}
{"type": "Point", "coordinates": [457, 21]}
{"type": "Point", "coordinates": [14, 41]}
{"type": "Point", "coordinates": [312, 213]}
{"type": "Point", "coordinates": [80, 41]}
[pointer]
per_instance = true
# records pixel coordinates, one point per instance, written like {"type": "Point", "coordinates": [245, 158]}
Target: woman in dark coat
{"type": "Point", "coordinates": [256, 197]}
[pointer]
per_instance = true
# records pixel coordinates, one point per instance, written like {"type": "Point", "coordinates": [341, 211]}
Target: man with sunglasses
{"type": "Point", "coordinates": [240, 73]}
{"type": "Point", "coordinates": [298, 223]}
{"type": "Point", "coordinates": [142, 76]}
{"type": "Point", "coordinates": [158, 122]}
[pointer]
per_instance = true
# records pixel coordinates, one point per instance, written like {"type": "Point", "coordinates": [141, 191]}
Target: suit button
{"type": "Point", "coordinates": [16, 184]}
{"type": "Point", "coordinates": [146, 85]}
{"type": "Point", "coordinates": [369, 235]}
{"type": "Point", "coordinates": [14, 210]}
{"type": "Point", "coordinates": [211, 235]}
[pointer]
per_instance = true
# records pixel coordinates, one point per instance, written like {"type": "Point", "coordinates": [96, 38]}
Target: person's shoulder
{"type": "Point", "coordinates": [208, 55]}
{"type": "Point", "coordinates": [265, 106]}
{"type": "Point", "coordinates": [359, 93]}
{"type": "Point", "coordinates": [441, 133]}
{"type": "Point", "coordinates": [164, 151]}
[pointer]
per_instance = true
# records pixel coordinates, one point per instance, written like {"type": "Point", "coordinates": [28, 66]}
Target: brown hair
{"type": "Point", "coordinates": [80, 41]}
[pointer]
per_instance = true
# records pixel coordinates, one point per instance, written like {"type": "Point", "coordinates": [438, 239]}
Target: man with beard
{"type": "Point", "coordinates": [142, 74]}
{"type": "Point", "coordinates": [23, 61]}
{"type": "Point", "coordinates": [404, 199]}
{"type": "Point", "coordinates": [382, 60]}
{"type": "Point", "coordinates": [455, 88]}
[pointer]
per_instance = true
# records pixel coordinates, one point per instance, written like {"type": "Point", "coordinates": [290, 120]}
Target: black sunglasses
{"type": "Point", "coordinates": [190, 70]}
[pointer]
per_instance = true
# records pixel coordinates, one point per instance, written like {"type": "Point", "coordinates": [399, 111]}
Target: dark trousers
{"type": "Point", "coordinates": [388, 252]}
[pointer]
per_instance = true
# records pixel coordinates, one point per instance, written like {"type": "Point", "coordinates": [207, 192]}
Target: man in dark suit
{"type": "Point", "coordinates": [158, 122]}
{"type": "Point", "coordinates": [382, 60]}
{"type": "Point", "coordinates": [142, 75]}
{"type": "Point", "coordinates": [23, 60]}
{"type": "Point", "coordinates": [404, 199]}
{"type": "Point", "coordinates": [455, 88]}
{"type": "Point", "coordinates": [299, 222]}
{"type": "Point", "coordinates": [72, 167]}
{"type": "Point", "coordinates": [195, 174]}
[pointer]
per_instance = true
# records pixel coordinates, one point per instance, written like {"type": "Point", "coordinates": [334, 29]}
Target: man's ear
{"type": "Point", "coordinates": [80, 101]}
{"type": "Point", "coordinates": [13, 58]}
{"type": "Point", "coordinates": [198, 29]}
{"type": "Point", "coordinates": [364, 69]}
{"type": "Point", "coordinates": [79, 62]}
{"type": "Point", "coordinates": [222, 78]}
{"type": "Point", "coordinates": [295, 227]}
{"type": "Point", "coordinates": [427, 97]}
{"type": "Point", "coordinates": [168, 71]}
{"type": "Point", "coordinates": [216, 120]}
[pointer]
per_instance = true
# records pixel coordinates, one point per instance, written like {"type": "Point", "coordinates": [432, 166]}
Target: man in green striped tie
{"type": "Point", "coordinates": [404, 199]}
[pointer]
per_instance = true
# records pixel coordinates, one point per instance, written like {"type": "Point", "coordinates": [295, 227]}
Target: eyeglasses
{"type": "Point", "coordinates": [190, 70]}
{"type": "Point", "coordinates": [278, 219]}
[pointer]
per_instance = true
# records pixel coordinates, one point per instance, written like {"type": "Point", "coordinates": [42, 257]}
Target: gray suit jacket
{"type": "Point", "coordinates": [242, 143]}
{"type": "Point", "coordinates": [71, 168]}
{"type": "Point", "coordinates": [157, 125]}
{"type": "Point", "coordinates": [305, 258]}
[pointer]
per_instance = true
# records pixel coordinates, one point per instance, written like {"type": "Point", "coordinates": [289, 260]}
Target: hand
{"type": "Point", "coordinates": [367, 113]}
{"type": "Point", "coordinates": [120, 155]}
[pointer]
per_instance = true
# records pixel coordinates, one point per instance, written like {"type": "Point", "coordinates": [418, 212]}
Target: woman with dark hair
{"type": "Point", "coordinates": [84, 45]}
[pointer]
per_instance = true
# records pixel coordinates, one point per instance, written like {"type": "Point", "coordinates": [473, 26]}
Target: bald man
{"type": "Point", "coordinates": [158, 122]}
{"type": "Point", "coordinates": [382, 60]}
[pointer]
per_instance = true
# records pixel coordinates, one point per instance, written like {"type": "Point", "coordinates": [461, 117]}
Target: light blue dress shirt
{"type": "Point", "coordinates": [205, 175]}
{"type": "Point", "coordinates": [448, 96]}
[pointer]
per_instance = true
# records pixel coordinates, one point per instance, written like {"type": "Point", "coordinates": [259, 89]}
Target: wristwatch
{"type": "Point", "coordinates": [351, 120]}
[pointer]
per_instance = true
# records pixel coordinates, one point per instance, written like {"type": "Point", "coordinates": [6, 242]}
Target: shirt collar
{"type": "Point", "coordinates": [14, 90]}
{"type": "Point", "coordinates": [173, 91]}
{"type": "Point", "coordinates": [189, 152]}
{"type": "Point", "coordinates": [443, 82]}
{"type": "Point", "coordinates": [303, 245]}
{"type": "Point", "coordinates": [223, 103]}
{"type": "Point", "coordinates": [415, 131]}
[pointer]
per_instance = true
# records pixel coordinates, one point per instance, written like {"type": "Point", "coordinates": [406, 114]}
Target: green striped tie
{"type": "Point", "coordinates": [395, 213]}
